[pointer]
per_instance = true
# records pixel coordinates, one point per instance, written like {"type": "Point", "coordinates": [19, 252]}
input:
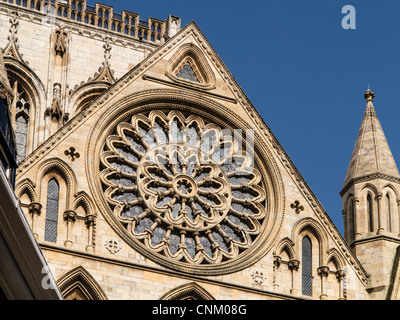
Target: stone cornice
{"type": "Point", "coordinates": [374, 238]}
{"type": "Point", "coordinates": [368, 178]}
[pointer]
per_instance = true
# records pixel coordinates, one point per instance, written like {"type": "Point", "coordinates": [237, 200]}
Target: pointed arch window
{"type": "Point", "coordinates": [388, 213]}
{"type": "Point", "coordinates": [188, 73]}
{"type": "Point", "coordinates": [78, 284]}
{"type": "Point", "coordinates": [306, 266]}
{"type": "Point", "coordinates": [189, 66]}
{"type": "Point", "coordinates": [53, 194]}
{"type": "Point", "coordinates": [370, 213]}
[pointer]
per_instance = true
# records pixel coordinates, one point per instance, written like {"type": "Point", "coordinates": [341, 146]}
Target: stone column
{"type": "Point", "coordinates": [340, 274]}
{"type": "Point", "coordinates": [381, 228]}
{"type": "Point", "coordinates": [277, 263]}
{"type": "Point", "coordinates": [323, 272]}
{"type": "Point", "coordinates": [398, 217]}
{"type": "Point", "coordinates": [90, 221]}
{"type": "Point", "coordinates": [293, 266]}
{"type": "Point", "coordinates": [35, 208]}
{"type": "Point", "coordinates": [357, 219]}
{"type": "Point", "coordinates": [70, 217]}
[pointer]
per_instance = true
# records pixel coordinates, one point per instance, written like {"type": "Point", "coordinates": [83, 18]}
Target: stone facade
{"type": "Point", "coordinates": [97, 87]}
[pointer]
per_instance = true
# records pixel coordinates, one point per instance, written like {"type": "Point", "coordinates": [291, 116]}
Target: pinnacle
{"type": "Point", "coordinates": [371, 154]}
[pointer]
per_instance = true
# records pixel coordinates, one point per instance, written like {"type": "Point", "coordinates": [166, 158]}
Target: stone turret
{"type": "Point", "coordinates": [370, 199]}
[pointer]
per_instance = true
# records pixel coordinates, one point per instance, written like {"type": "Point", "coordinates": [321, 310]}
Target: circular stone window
{"type": "Point", "coordinates": [185, 192]}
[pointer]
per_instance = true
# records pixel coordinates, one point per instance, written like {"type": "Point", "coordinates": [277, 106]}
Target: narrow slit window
{"type": "Point", "coordinates": [388, 213]}
{"type": "Point", "coordinates": [306, 267]}
{"type": "Point", "coordinates": [53, 193]}
{"type": "Point", "coordinates": [370, 213]}
{"type": "Point", "coordinates": [352, 219]}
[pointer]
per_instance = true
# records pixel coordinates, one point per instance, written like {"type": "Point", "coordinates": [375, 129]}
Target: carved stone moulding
{"type": "Point", "coordinates": [180, 187]}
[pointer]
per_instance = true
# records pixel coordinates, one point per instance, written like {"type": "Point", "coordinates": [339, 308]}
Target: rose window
{"type": "Point", "coordinates": [183, 189]}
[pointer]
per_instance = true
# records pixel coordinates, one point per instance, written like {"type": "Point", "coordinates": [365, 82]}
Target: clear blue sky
{"type": "Point", "coordinates": [304, 73]}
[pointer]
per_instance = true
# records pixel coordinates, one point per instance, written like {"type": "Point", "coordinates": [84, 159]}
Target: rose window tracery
{"type": "Point", "coordinates": [183, 188]}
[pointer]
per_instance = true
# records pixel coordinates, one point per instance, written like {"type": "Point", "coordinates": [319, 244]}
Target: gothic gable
{"type": "Point", "coordinates": [168, 212]}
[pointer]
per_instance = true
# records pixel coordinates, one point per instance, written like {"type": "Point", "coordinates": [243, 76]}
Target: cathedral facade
{"type": "Point", "coordinates": [145, 173]}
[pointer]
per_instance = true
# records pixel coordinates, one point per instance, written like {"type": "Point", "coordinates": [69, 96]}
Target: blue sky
{"type": "Point", "coordinates": [304, 73]}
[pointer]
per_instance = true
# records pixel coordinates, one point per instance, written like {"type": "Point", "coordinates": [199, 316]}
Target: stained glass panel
{"type": "Point", "coordinates": [21, 132]}
{"type": "Point", "coordinates": [53, 192]}
{"type": "Point", "coordinates": [187, 73]}
{"type": "Point", "coordinates": [306, 267]}
{"type": "Point", "coordinates": [173, 197]}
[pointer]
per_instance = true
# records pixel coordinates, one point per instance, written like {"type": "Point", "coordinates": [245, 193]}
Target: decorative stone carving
{"type": "Point", "coordinates": [323, 271]}
{"type": "Point", "coordinates": [35, 208]}
{"type": "Point", "coordinates": [107, 50]}
{"type": "Point", "coordinates": [294, 265]}
{"type": "Point", "coordinates": [297, 207]}
{"type": "Point", "coordinates": [277, 261]}
{"type": "Point", "coordinates": [90, 220]}
{"type": "Point", "coordinates": [258, 277]}
{"type": "Point", "coordinates": [55, 112]}
{"type": "Point", "coordinates": [72, 154]}
{"type": "Point", "coordinates": [60, 46]}
{"type": "Point", "coordinates": [340, 274]}
{"type": "Point", "coordinates": [12, 48]}
{"type": "Point", "coordinates": [112, 246]}
{"type": "Point", "coordinates": [183, 199]}
{"type": "Point", "coordinates": [70, 216]}
{"type": "Point", "coordinates": [12, 37]}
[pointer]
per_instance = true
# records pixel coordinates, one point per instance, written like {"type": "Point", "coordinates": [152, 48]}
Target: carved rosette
{"type": "Point", "coordinates": [186, 190]}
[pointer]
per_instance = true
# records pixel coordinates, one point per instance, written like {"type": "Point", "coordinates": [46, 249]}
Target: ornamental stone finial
{"type": "Point", "coordinates": [369, 95]}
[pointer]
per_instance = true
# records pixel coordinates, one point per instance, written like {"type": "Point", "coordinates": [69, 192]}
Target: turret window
{"type": "Point", "coordinates": [388, 213]}
{"type": "Point", "coordinates": [352, 219]}
{"type": "Point", "coordinates": [370, 213]}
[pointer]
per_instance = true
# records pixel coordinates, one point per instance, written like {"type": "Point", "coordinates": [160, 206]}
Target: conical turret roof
{"type": "Point", "coordinates": [371, 154]}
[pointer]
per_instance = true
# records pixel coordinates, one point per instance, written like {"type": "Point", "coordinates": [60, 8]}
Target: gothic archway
{"type": "Point", "coordinates": [190, 291]}
{"type": "Point", "coordinates": [78, 284]}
